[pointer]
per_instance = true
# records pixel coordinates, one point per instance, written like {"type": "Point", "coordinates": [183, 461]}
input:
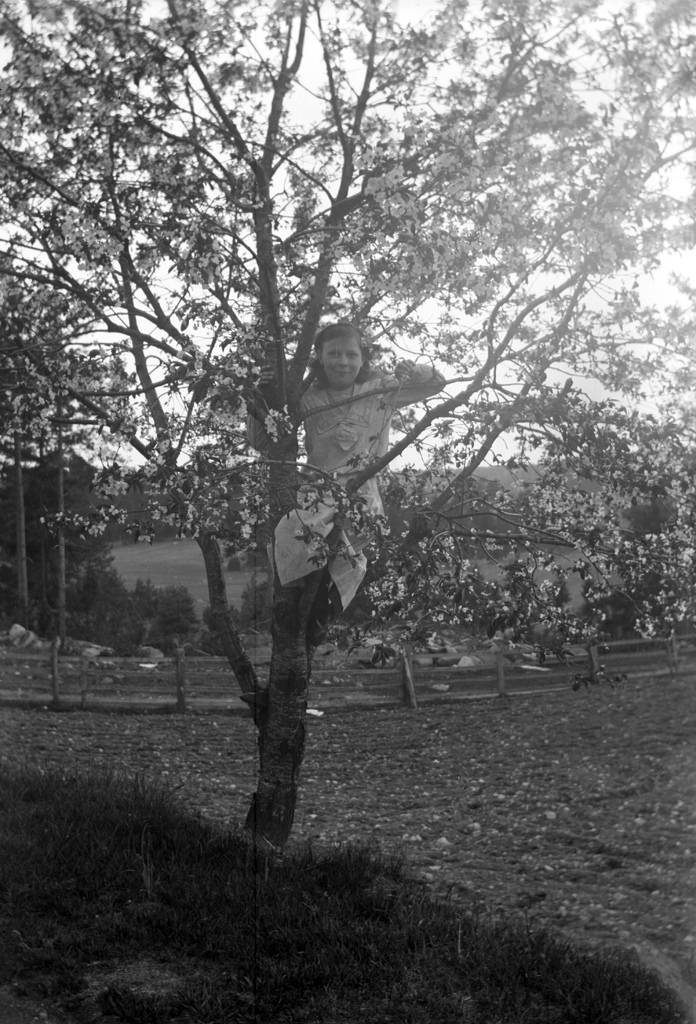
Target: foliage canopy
{"type": "Point", "coordinates": [203, 184]}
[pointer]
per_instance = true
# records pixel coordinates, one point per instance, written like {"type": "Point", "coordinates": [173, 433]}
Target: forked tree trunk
{"type": "Point", "coordinates": [282, 726]}
{"type": "Point", "coordinates": [222, 623]}
{"type": "Point", "coordinates": [280, 709]}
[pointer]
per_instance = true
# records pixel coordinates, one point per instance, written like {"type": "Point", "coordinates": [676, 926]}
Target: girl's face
{"type": "Point", "coordinates": [341, 359]}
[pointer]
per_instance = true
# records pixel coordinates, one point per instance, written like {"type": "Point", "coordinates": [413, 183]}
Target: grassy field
{"type": "Point", "coordinates": [173, 563]}
{"type": "Point", "coordinates": [122, 907]}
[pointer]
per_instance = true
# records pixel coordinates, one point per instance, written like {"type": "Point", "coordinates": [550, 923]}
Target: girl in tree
{"type": "Point", "coordinates": [347, 409]}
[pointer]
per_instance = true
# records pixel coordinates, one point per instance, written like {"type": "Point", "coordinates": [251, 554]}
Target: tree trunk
{"type": "Point", "coordinates": [221, 622]}
{"type": "Point", "coordinates": [282, 727]}
{"type": "Point", "coordinates": [280, 710]}
{"type": "Point", "coordinates": [22, 575]}
{"type": "Point", "coordinates": [62, 615]}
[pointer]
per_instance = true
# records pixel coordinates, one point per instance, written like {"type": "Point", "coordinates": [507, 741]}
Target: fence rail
{"type": "Point", "coordinates": [180, 683]}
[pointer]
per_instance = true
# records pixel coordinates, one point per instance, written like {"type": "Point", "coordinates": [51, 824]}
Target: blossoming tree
{"type": "Point", "coordinates": [210, 181]}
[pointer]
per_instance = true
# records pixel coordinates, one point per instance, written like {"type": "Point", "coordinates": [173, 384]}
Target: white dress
{"type": "Point", "coordinates": [345, 430]}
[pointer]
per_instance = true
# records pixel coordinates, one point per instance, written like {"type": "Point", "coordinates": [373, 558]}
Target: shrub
{"type": "Point", "coordinates": [101, 609]}
{"type": "Point", "coordinates": [174, 619]}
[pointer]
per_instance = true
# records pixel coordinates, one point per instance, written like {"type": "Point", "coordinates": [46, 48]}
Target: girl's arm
{"type": "Point", "coordinates": [416, 381]}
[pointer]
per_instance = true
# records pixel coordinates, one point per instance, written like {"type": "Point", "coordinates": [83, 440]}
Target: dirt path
{"type": "Point", "coordinates": [577, 810]}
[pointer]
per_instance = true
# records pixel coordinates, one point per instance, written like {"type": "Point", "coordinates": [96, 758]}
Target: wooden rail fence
{"type": "Point", "coordinates": [47, 677]}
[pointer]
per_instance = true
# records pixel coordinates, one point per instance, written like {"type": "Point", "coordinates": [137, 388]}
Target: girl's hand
{"type": "Point", "coordinates": [413, 373]}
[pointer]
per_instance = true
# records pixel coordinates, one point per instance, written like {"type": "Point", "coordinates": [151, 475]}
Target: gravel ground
{"type": "Point", "coordinates": [576, 810]}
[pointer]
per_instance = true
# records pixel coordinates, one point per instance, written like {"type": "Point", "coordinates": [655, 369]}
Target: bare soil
{"type": "Point", "coordinates": [576, 810]}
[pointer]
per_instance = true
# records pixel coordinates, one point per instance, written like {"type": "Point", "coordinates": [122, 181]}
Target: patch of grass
{"type": "Point", "coordinates": [105, 870]}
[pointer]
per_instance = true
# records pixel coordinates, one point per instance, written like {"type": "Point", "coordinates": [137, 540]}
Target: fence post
{"type": "Point", "coordinates": [180, 676]}
{"type": "Point", "coordinates": [84, 681]}
{"type": "Point", "coordinates": [594, 666]}
{"type": "Point", "coordinates": [500, 668]}
{"type": "Point", "coordinates": [55, 679]}
{"type": "Point", "coordinates": [408, 689]}
{"type": "Point", "coordinates": [672, 654]}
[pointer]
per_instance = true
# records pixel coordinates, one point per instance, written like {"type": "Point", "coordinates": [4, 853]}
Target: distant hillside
{"type": "Point", "coordinates": [508, 477]}
{"type": "Point", "coordinates": [519, 477]}
{"type": "Point", "coordinates": [170, 563]}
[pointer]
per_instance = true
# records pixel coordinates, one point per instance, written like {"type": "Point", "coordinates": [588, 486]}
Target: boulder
{"type": "Point", "coordinates": [469, 661]}
{"type": "Point", "coordinates": [25, 638]}
{"type": "Point", "coordinates": [90, 652]}
{"type": "Point", "coordinates": [151, 653]}
{"type": "Point", "coordinates": [85, 648]}
{"type": "Point", "coordinates": [16, 633]}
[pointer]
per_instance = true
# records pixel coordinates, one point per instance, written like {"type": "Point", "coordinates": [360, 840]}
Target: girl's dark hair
{"type": "Point", "coordinates": [340, 329]}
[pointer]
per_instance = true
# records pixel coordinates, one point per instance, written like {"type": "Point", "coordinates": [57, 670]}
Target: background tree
{"type": "Point", "coordinates": [83, 552]}
{"type": "Point", "coordinates": [40, 427]}
{"type": "Point", "coordinates": [208, 182]}
{"type": "Point", "coordinates": [607, 508]}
